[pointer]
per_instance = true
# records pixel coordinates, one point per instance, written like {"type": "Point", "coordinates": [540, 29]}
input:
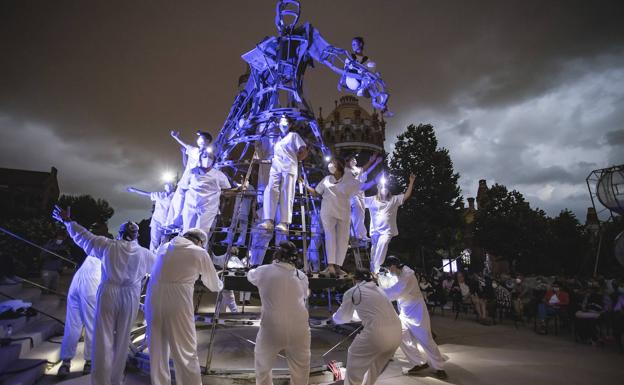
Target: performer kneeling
{"type": "Point", "coordinates": [81, 300]}
{"type": "Point", "coordinates": [169, 307]}
{"type": "Point", "coordinates": [383, 209]}
{"type": "Point", "coordinates": [414, 320]}
{"type": "Point", "coordinates": [381, 334]}
{"type": "Point", "coordinates": [284, 317]}
{"type": "Point", "coordinates": [280, 190]}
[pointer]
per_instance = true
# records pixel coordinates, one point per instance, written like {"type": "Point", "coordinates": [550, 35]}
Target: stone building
{"type": "Point", "coordinates": [25, 193]}
{"type": "Point", "coordinates": [350, 128]}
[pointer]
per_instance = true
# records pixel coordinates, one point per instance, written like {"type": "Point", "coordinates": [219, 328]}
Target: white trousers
{"type": "Point", "coordinates": [198, 218]}
{"type": "Point", "coordinates": [280, 191]}
{"type": "Point", "coordinates": [155, 235]}
{"type": "Point", "coordinates": [244, 296]}
{"type": "Point", "coordinates": [174, 214]}
{"type": "Point", "coordinates": [336, 238]}
{"type": "Point", "coordinates": [171, 332]}
{"type": "Point", "coordinates": [80, 313]}
{"type": "Point", "coordinates": [228, 301]}
{"type": "Point", "coordinates": [117, 308]}
{"type": "Point", "coordinates": [379, 249]}
{"type": "Point", "coordinates": [294, 339]}
{"type": "Point", "coordinates": [358, 213]}
{"type": "Point", "coordinates": [416, 331]}
{"type": "Point", "coordinates": [371, 350]}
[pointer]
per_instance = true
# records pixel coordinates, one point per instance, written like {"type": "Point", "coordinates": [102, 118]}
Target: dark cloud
{"type": "Point", "coordinates": [519, 91]}
{"type": "Point", "coordinates": [615, 138]}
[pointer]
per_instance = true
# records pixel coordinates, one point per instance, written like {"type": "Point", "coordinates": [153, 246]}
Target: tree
{"type": "Point", "coordinates": [432, 218]}
{"type": "Point", "coordinates": [507, 228]}
{"type": "Point", "coordinates": [87, 210]}
{"type": "Point", "coordinates": [569, 245]}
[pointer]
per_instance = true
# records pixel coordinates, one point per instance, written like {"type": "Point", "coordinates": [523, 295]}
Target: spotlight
{"type": "Point", "coordinates": [167, 177]}
{"type": "Point", "coordinates": [327, 158]}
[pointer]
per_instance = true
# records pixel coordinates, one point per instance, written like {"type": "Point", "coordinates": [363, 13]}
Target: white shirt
{"type": "Point", "coordinates": [337, 195]}
{"type": "Point", "coordinates": [384, 214]}
{"type": "Point", "coordinates": [180, 261]}
{"type": "Point", "coordinates": [285, 153]}
{"type": "Point", "coordinates": [162, 201]}
{"type": "Point", "coordinates": [406, 290]}
{"type": "Point", "coordinates": [283, 291]}
{"type": "Point", "coordinates": [124, 263]}
{"type": "Point", "coordinates": [205, 190]}
{"type": "Point", "coordinates": [366, 302]}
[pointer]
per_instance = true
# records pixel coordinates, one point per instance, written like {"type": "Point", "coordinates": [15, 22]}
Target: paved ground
{"type": "Point", "coordinates": [478, 354]}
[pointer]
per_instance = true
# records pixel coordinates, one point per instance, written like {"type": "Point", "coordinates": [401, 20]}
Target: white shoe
{"type": "Point", "coordinates": [282, 227]}
{"type": "Point", "coordinates": [266, 225]}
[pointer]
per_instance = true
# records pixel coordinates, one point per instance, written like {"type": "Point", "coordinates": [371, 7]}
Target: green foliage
{"type": "Point", "coordinates": [87, 210]}
{"type": "Point", "coordinates": [431, 219]}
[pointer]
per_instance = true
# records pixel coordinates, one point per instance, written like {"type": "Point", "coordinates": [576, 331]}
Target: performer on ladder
{"type": "Point", "coordinates": [191, 154]}
{"type": "Point", "coordinates": [337, 189]}
{"type": "Point", "coordinates": [280, 190]}
{"type": "Point", "coordinates": [358, 210]}
{"type": "Point", "coordinates": [162, 201]}
{"type": "Point", "coordinates": [201, 204]}
{"type": "Point", "coordinates": [383, 209]}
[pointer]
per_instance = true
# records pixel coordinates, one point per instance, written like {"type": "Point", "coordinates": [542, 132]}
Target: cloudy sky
{"type": "Point", "coordinates": [529, 94]}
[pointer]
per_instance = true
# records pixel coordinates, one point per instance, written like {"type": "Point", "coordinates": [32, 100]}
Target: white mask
{"type": "Point", "coordinates": [494, 285]}
{"type": "Point", "coordinates": [331, 168]}
{"type": "Point", "coordinates": [59, 241]}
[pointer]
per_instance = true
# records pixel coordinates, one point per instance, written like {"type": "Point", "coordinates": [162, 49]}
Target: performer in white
{"type": "Point", "coordinates": [191, 155]}
{"type": "Point", "coordinates": [228, 300]}
{"type": "Point", "coordinates": [124, 265]}
{"type": "Point", "coordinates": [169, 307]}
{"type": "Point", "coordinates": [81, 301]}
{"type": "Point", "coordinates": [280, 190]}
{"type": "Point", "coordinates": [243, 200]}
{"type": "Point", "coordinates": [284, 317]}
{"type": "Point", "coordinates": [337, 189]}
{"type": "Point", "coordinates": [383, 209]}
{"type": "Point", "coordinates": [358, 210]}
{"type": "Point", "coordinates": [162, 201]}
{"type": "Point", "coordinates": [201, 204]}
{"type": "Point", "coordinates": [381, 334]}
{"type": "Point", "coordinates": [414, 319]}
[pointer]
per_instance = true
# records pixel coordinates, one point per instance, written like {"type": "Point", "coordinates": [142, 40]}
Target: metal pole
{"type": "Point", "coordinates": [598, 254]}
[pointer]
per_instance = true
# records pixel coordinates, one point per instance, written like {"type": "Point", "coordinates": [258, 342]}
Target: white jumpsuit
{"type": "Point", "coordinates": [280, 189]}
{"type": "Point", "coordinates": [174, 214]}
{"type": "Point", "coordinates": [336, 214]}
{"type": "Point", "coordinates": [81, 301]}
{"type": "Point", "coordinates": [416, 326]}
{"type": "Point", "coordinates": [383, 226]}
{"type": "Point", "coordinates": [283, 323]}
{"type": "Point", "coordinates": [358, 210]}
{"type": "Point", "coordinates": [169, 310]}
{"type": "Point", "coordinates": [379, 339]}
{"type": "Point", "coordinates": [201, 204]}
{"type": "Point", "coordinates": [162, 202]}
{"type": "Point", "coordinates": [124, 265]}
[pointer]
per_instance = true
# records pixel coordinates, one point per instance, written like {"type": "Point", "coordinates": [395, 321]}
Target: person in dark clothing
{"type": "Point", "coordinates": [51, 265]}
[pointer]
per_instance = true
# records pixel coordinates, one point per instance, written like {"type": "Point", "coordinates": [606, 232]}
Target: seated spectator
{"type": "Point", "coordinates": [481, 294]}
{"type": "Point", "coordinates": [555, 301]}
{"type": "Point", "coordinates": [520, 296]}
{"type": "Point", "coordinates": [503, 299]}
{"type": "Point", "coordinates": [586, 317]}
